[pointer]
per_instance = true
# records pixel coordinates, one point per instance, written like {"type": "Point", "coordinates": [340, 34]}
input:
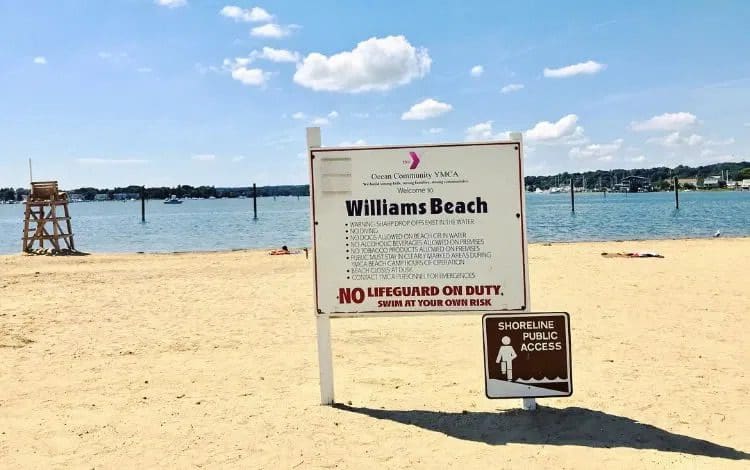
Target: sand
{"type": "Point", "coordinates": [209, 360]}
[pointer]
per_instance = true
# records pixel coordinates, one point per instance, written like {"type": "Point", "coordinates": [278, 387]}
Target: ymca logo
{"type": "Point", "coordinates": [414, 162]}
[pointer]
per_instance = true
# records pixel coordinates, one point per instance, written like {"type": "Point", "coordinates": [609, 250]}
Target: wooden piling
{"type": "Point", "coordinates": [676, 193]}
{"type": "Point", "coordinates": [143, 204]}
{"type": "Point", "coordinates": [255, 202]}
{"type": "Point", "coordinates": [572, 197]}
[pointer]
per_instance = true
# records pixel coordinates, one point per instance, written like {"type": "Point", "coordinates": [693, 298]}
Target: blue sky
{"type": "Point", "coordinates": [163, 92]}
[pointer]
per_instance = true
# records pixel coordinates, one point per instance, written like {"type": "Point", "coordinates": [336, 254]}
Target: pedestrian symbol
{"type": "Point", "coordinates": [505, 358]}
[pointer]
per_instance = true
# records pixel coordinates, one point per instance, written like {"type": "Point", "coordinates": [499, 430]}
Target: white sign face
{"type": "Point", "coordinates": [436, 228]}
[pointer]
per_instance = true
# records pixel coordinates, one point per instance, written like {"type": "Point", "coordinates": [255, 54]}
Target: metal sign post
{"type": "Point", "coordinates": [527, 403]}
{"type": "Point", "coordinates": [323, 322]}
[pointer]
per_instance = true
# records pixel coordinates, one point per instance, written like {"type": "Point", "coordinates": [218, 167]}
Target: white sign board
{"type": "Point", "coordinates": [434, 228]}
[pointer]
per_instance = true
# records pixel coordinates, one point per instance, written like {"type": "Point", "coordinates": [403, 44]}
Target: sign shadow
{"type": "Point", "coordinates": [553, 426]}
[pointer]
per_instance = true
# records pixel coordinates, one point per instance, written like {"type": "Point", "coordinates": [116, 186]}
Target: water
{"type": "Point", "coordinates": [223, 224]}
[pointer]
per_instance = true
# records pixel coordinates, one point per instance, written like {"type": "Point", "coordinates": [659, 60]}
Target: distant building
{"type": "Point", "coordinates": [691, 181]}
{"type": "Point", "coordinates": [101, 197]}
{"type": "Point", "coordinates": [125, 196]}
{"type": "Point", "coordinates": [745, 185]}
{"type": "Point", "coordinates": [711, 182]}
{"type": "Point", "coordinates": [634, 184]}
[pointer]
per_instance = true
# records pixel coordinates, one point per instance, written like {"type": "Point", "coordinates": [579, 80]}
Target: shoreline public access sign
{"type": "Point", "coordinates": [527, 355]}
{"type": "Point", "coordinates": [419, 229]}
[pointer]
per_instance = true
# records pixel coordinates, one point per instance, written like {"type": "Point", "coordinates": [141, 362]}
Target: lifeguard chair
{"type": "Point", "coordinates": [42, 208]}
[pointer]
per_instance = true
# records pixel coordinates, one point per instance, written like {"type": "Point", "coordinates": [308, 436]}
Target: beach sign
{"type": "Point", "coordinates": [422, 229]}
{"type": "Point", "coordinates": [527, 355]}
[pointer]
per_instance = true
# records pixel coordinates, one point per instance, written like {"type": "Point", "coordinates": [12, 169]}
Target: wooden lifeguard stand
{"type": "Point", "coordinates": [42, 208]}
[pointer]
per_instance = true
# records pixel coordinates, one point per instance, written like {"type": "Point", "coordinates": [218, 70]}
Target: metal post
{"type": "Point", "coordinates": [143, 204]}
{"type": "Point", "coordinates": [528, 404]}
{"type": "Point", "coordinates": [322, 322]}
{"type": "Point", "coordinates": [572, 197]}
{"type": "Point", "coordinates": [676, 194]}
{"type": "Point", "coordinates": [31, 174]}
{"type": "Point", "coordinates": [255, 202]}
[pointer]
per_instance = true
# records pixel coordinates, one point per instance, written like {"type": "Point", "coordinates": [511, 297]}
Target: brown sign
{"type": "Point", "coordinates": [527, 355]}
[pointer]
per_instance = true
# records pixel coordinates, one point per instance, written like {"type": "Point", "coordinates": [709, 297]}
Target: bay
{"type": "Point", "coordinates": [225, 224]}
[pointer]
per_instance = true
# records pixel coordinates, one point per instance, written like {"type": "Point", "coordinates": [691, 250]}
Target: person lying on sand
{"type": "Point", "coordinates": [632, 255]}
{"type": "Point", "coordinates": [283, 251]}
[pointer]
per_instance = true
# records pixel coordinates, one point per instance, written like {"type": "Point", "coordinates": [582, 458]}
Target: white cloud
{"type": "Point", "coordinates": [356, 143]}
{"type": "Point", "coordinates": [238, 67]}
{"type": "Point", "coordinates": [144, 70]}
{"type": "Point", "coordinates": [111, 161]}
{"type": "Point", "coordinates": [171, 3]}
{"type": "Point", "coordinates": [320, 121]}
{"type": "Point", "coordinates": [361, 115]}
{"type": "Point", "coordinates": [427, 109]}
{"type": "Point", "coordinates": [238, 158]}
{"type": "Point", "coordinates": [40, 60]}
{"type": "Point", "coordinates": [511, 87]}
{"type": "Point", "coordinates": [638, 159]}
{"type": "Point", "coordinates": [563, 131]}
{"type": "Point", "coordinates": [204, 69]}
{"type": "Point", "coordinates": [665, 122]}
{"type": "Point", "coordinates": [596, 150]}
{"type": "Point", "coordinates": [606, 158]}
{"type": "Point", "coordinates": [727, 158]}
{"type": "Point", "coordinates": [271, 30]}
{"type": "Point", "coordinates": [333, 115]}
{"type": "Point", "coordinates": [276, 55]}
{"type": "Point", "coordinates": [435, 130]}
{"type": "Point", "coordinates": [252, 77]}
{"type": "Point", "coordinates": [204, 157]}
{"type": "Point", "coordinates": [728, 141]}
{"type": "Point", "coordinates": [299, 115]}
{"type": "Point", "coordinates": [377, 64]}
{"type": "Point", "coordinates": [250, 15]}
{"type": "Point", "coordinates": [484, 131]}
{"type": "Point", "coordinates": [674, 139]}
{"type": "Point", "coordinates": [476, 71]}
{"type": "Point", "coordinates": [747, 124]}
{"type": "Point", "coordinates": [547, 131]}
{"type": "Point", "coordinates": [584, 68]}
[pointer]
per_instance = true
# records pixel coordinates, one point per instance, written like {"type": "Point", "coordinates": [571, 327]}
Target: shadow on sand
{"type": "Point", "coordinates": [553, 426]}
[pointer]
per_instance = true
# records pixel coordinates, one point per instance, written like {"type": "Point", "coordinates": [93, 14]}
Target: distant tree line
{"type": "Point", "coordinates": [660, 177]}
{"type": "Point", "coordinates": [187, 191]}
{"type": "Point", "coordinates": [10, 194]}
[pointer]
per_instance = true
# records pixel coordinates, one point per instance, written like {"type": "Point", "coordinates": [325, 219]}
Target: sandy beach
{"type": "Point", "coordinates": [209, 360]}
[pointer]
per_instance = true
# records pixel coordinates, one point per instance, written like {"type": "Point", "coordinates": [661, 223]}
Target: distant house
{"type": "Point", "coordinates": [125, 196]}
{"type": "Point", "coordinates": [690, 181]}
{"type": "Point", "coordinates": [711, 182]}
{"type": "Point", "coordinates": [633, 184]}
{"type": "Point", "coordinates": [745, 185]}
{"type": "Point", "coordinates": [101, 197]}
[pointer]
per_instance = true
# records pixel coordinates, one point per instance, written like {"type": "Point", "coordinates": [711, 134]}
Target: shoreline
{"type": "Point", "coordinates": [253, 250]}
